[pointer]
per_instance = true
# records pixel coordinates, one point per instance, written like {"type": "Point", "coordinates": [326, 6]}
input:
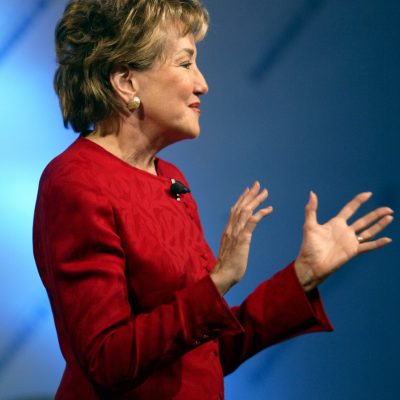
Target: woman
{"type": "Point", "coordinates": [136, 292]}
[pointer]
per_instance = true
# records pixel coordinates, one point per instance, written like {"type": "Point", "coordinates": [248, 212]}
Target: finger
{"type": "Point", "coordinates": [240, 199]}
{"type": "Point", "coordinates": [236, 210]}
{"type": "Point", "coordinates": [373, 230]}
{"type": "Point", "coordinates": [251, 194]}
{"type": "Point", "coordinates": [370, 218]}
{"type": "Point", "coordinates": [352, 206]}
{"type": "Point", "coordinates": [247, 210]}
{"type": "Point", "coordinates": [376, 244]}
{"type": "Point", "coordinates": [257, 217]}
{"type": "Point", "coordinates": [252, 205]}
{"type": "Point", "coordinates": [311, 208]}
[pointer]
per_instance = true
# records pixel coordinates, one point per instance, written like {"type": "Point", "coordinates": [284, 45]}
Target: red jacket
{"type": "Point", "coordinates": [126, 268]}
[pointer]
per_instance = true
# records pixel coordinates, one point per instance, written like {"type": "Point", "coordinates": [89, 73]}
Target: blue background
{"type": "Point", "coordinates": [304, 94]}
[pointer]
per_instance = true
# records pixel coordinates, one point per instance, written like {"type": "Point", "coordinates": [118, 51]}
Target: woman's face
{"type": "Point", "coordinates": [170, 91]}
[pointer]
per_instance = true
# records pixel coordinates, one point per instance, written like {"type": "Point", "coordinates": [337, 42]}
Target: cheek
{"type": "Point", "coordinates": [180, 87]}
{"type": "Point", "coordinates": [187, 88]}
{"type": "Point", "coordinates": [169, 97]}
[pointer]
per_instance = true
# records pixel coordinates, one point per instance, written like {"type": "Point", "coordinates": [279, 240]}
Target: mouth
{"type": "Point", "coordinates": [195, 107]}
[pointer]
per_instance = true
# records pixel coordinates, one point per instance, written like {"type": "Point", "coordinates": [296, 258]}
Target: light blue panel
{"type": "Point", "coordinates": [31, 133]}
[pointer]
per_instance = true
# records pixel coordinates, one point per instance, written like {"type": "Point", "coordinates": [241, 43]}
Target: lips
{"type": "Point", "coordinates": [195, 106]}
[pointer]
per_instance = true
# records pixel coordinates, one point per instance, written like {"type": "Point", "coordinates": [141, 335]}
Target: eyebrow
{"type": "Point", "coordinates": [187, 50]}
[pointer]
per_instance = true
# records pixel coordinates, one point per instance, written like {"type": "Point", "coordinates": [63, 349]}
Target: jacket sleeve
{"type": "Point", "coordinates": [277, 310]}
{"type": "Point", "coordinates": [81, 261]}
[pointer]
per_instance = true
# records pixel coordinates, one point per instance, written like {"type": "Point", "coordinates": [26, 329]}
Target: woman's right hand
{"type": "Point", "coordinates": [235, 242]}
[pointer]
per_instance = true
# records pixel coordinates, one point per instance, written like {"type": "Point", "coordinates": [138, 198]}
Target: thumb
{"type": "Point", "coordinates": [311, 208]}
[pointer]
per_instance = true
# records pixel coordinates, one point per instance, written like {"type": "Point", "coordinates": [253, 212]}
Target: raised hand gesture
{"type": "Point", "coordinates": [236, 239]}
{"type": "Point", "coordinates": [325, 248]}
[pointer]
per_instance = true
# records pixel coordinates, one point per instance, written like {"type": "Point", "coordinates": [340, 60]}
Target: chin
{"type": "Point", "coordinates": [195, 133]}
{"type": "Point", "coordinates": [183, 131]}
{"type": "Point", "coordinates": [192, 133]}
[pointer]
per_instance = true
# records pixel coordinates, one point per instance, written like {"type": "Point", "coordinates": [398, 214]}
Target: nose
{"type": "Point", "coordinates": [201, 86]}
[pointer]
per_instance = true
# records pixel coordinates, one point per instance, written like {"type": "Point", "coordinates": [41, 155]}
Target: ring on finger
{"type": "Point", "coordinates": [360, 239]}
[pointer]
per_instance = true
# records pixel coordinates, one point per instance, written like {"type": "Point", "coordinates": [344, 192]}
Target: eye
{"type": "Point", "coordinates": [187, 65]}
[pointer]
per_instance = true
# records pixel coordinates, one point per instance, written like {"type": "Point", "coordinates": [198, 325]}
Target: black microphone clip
{"type": "Point", "coordinates": [177, 188]}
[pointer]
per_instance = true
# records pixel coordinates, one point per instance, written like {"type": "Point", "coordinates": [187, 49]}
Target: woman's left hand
{"type": "Point", "coordinates": [325, 248]}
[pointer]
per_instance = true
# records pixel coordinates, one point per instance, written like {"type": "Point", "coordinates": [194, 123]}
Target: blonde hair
{"type": "Point", "coordinates": [95, 36]}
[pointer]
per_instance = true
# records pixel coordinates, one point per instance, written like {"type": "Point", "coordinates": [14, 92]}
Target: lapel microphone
{"type": "Point", "coordinates": [177, 189]}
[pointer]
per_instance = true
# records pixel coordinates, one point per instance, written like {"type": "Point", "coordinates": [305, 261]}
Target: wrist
{"type": "Point", "coordinates": [305, 276]}
{"type": "Point", "coordinates": [223, 280]}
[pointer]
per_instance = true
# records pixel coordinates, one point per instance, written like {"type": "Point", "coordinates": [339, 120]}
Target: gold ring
{"type": "Point", "coordinates": [360, 239]}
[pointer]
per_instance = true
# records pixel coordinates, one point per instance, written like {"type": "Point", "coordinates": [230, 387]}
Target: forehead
{"type": "Point", "coordinates": [176, 43]}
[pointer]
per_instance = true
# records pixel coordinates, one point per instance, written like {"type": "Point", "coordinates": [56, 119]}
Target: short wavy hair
{"type": "Point", "coordinates": [95, 36]}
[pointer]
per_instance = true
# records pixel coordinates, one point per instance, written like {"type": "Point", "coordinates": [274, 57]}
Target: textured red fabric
{"type": "Point", "coordinates": [126, 268]}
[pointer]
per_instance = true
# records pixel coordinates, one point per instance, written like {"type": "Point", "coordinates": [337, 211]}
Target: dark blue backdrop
{"type": "Point", "coordinates": [304, 94]}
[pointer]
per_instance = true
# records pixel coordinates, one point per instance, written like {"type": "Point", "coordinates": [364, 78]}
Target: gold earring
{"type": "Point", "coordinates": [133, 103]}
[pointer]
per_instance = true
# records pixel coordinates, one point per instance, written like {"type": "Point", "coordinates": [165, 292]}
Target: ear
{"type": "Point", "coordinates": [123, 82]}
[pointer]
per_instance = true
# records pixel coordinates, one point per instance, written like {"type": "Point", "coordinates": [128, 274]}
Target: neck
{"type": "Point", "coordinates": [128, 143]}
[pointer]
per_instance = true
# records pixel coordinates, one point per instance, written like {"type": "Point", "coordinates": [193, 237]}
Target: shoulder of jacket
{"type": "Point", "coordinates": [74, 164]}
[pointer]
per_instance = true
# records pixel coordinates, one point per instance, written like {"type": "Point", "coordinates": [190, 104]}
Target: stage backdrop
{"type": "Point", "coordinates": [304, 94]}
